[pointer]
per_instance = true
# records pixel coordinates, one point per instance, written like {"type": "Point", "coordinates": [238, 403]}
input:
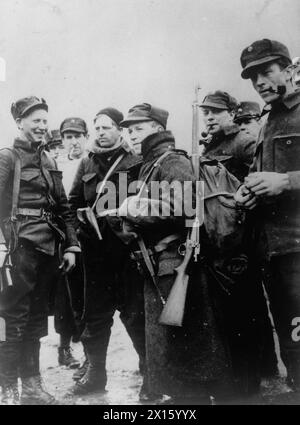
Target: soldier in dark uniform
{"type": "Point", "coordinates": [247, 117]}
{"type": "Point", "coordinates": [181, 362]}
{"type": "Point", "coordinates": [112, 279]}
{"type": "Point", "coordinates": [272, 191]}
{"type": "Point", "coordinates": [227, 144]}
{"type": "Point", "coordinates": [34, 230]}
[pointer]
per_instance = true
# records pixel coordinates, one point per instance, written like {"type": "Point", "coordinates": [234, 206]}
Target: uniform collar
{"type": "Point", "coordinates": [231, 129]}
{"type": "Point", "coordinates": [156, 144]}
{"type": "Point", "coordinates": [288, 101]}
{"type": "Point", "coordinates": [27, 145]}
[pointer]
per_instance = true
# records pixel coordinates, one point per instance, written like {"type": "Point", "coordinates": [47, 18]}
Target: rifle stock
{"type": "Point", "coordinates": [173, 310]}
{"type": "Point", "coordinates": [174, 307]}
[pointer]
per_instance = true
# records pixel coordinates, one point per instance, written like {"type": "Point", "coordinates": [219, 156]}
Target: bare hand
{"type": "Point", "coordinates": [267, 183]}
{"type": "Point", "coordinates": [244, 198]}
{"type": "Point", "coordinates": [68, 262]}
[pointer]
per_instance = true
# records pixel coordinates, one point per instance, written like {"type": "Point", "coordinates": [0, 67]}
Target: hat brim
{"type": "Point", "coordinates": [214, 105]}
{"type": "Point", "coordinates": [75, 129]}
{"type": "Point", "coordinates": [31, 108]}
{"type": "Point", "coordinates": [246, 74]}
{"type": "Point", "coordinates": [132, 120]}
{"type": "Point", "coordinates": [244, 117]}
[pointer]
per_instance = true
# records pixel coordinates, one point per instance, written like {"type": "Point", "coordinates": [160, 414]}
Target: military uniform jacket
{"type": "Point", "coordinates": [175, 167]}
{"type": "Point", "coordinates": [40, 185]}
{"type": "Point", "coordinates": [278, 150]}
{"type": "Point", "coordinates": [90, 174]}
{"type": "Point", "coordinates": [233, 149]}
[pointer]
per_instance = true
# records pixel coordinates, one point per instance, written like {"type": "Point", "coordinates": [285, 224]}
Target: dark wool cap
{"type": "Point", "coordinates": [260, 52]}
{"type": "Point", "coordinates": [219, 100]}
{"type": "Point", "coordinates": [146, 112]}
{"type": "Point", "coordinates": [24, 106]}
{"type": "Point", "coordinates": [247, 110]}
{"type": "Point", "coordinates": [53, 138]}
{"type": "Point", "coordinates": [73, 124]}
{"type": "Point", "coordinates": [112, 113]}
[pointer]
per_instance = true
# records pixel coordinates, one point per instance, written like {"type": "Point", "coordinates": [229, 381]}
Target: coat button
{"type": "Point", "coordinates": [288, 142]}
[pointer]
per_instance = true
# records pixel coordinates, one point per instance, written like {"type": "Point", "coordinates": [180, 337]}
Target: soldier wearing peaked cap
{"type": "Point", "coordinates": [227, 144]}
{"type": "Point", "coordinates": [54, 143]}
{"type": "Point", "coordinates": [247, 117]}
{"type": "Point", "coordinates": [112, 279]}
{"type": "Point", "coordinates": [181, 362]}
{"type": "Point", "coordinates": [271, 192]}
{"type": "Point", "coordinates": [35, 219]}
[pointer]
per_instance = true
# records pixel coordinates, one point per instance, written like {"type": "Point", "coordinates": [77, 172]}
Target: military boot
{"type": "Point", "coordinates": [10, 395]}
{"type": "Point", "coordinates": [94, 379]}
{"type": "Point", "coordinates": [65, 358]}
{"type": "Point", "coordinates": [33, 392]}
{"type": "Point", "coordinates": [81, 371]}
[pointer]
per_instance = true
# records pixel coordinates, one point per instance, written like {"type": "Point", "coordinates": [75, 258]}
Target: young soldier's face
{"type": "Point", "coordinates": [54, 151]}
{"type": "Point", "coordinates": [74, 143]}
{"type": "Point", "coordinates": [107, 133]}
{"type": "Point", "coordinates": [266, 79]}
{"type": "Point", "coordinates": [34, 126]}
{"type": "Point", "coordinates": [139, 131]}
{"type": "Point", "coordinates": [249, 127]}
{"type": "Point", "coordinates": [216, 119]}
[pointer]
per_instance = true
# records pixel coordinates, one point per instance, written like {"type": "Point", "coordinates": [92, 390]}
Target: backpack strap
{"type": "Point", "coordinates": [157, 162]}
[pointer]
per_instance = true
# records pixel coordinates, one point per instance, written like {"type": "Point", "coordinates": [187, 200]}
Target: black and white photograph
{"type": "Point", "coordinates": [149, 205]}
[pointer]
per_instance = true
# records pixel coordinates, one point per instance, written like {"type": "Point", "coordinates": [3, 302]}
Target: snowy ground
{"type": "Point", "coordinates": [124, 380]}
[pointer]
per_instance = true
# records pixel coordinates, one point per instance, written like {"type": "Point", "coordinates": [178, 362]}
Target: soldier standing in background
{"type": "Point", "coordinates": [271, 192]}
{"type": "Point", "coordinates": [227, 144]}
{"type": "Point", "coordinates": [247, 117]}
{"type": "Point", "coordinates": [35, 220]}
{"type": "Point", "coordinates": [112, 279]}
{"type": "Point", "coordinates": [54, 144]}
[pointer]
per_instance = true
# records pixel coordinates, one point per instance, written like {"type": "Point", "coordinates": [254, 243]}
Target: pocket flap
{"type": "Point", "coordinates": [28, 174]}
{"type": "Point", "coordinates": [87, 177]}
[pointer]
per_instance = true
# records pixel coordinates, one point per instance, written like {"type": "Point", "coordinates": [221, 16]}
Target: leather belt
{"type": "Point", "coordinates": [30, 212]}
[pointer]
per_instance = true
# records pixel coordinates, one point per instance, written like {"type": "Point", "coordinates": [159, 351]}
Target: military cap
{"type": "Point", "coordinates": [145, 112]}
{"type": "Point", "coordinates": [112, 113]}
{"type": "Point", "coordinates": [73, 124]}
{"type": "Point", "coordinates": [219, 100]}
{"type": "Point", "coordinates": [247, 110]}
{"type": "Point", "coordinates": [260, 52]}
{"type": "Point", "coordinates": [24, 106]}
{"type": "Point", "coordinates": [53, 138]}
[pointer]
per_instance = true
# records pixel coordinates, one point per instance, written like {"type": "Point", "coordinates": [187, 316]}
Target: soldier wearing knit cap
{"type": "Point", "coordinates": [112, 279]}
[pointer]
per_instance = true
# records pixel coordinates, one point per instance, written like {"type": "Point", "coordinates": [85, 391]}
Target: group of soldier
{"type": "Point", "coordinates": [83, 235]}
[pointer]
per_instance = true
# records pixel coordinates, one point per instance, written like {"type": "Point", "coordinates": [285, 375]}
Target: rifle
{"type": "Point", "coordinates": [173, 310]}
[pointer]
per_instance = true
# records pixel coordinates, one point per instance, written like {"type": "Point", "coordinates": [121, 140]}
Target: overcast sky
{"type": "Point", "coordinates": [83, 55]}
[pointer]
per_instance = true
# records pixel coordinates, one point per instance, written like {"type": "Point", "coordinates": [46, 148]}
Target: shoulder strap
{"type": "Point", "coordinates": [157, 162]}
{"type": "Point", "coordinates": [16, 183]}
{"type": "Point", "coordinates": [108, 174]}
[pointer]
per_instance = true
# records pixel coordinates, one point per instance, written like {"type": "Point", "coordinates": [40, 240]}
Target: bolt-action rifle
{"type": "Point", "coordinates": [173, 311]}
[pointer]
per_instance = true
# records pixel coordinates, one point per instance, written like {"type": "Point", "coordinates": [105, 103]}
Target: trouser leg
{"type": "Point", "coordinates": [284, 293]}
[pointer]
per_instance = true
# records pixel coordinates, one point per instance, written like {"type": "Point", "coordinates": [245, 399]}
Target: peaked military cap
{"type": "Point", "coordinates": [247, 110]}
{"type": "Point", "coordinates": [53, 138]}
{"type": "Point", "coordinates": [112, 113]}
{"type": "Point", "coordinates": [219, 100]}
{"type": "Point", "coordinates": [146, 112]}
{"type": "Point", "coordinates": [260, 52]}
{"type": "Point", "coordinates": [73, 124]}
{"type": "Point", "coordinates": [24, 106]}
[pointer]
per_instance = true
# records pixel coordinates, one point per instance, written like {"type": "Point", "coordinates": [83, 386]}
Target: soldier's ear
{"type": "Point", "coordinates": [288, 72]}
{"type": "Point", "coordinates": [19, 123]}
